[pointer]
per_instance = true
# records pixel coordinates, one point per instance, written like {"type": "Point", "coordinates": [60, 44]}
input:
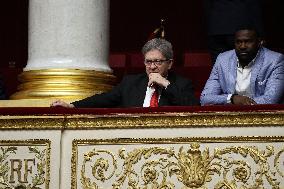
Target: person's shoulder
{"type": "Point", "coordinates": [134, 77]}
{"type": "Point", "coordinates": [178, 78]}
{"type": "Point", "coordinates": [226, 57]}
{"type": "Point", "coordinates": [271, 56]}
{"type": "Point", "coordinates": [271, 53]}
{"type": "Point", "coordinates": [227, 54]}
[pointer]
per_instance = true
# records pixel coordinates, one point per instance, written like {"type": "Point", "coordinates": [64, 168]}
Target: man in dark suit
{"type": "Point", "coordinates": [157, 87]}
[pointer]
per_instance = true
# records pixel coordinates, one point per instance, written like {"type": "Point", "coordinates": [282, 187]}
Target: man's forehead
{"type": "Point", "coordinates": [154, 53]}
{"type": "Point", "coordinates": [245, 34]}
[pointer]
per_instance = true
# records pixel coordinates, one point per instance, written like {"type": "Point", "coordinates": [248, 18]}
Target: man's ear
{"type": "Point", "coordinates": [170, 64]}
{"type": "Point", "coordinates": [262, 42]}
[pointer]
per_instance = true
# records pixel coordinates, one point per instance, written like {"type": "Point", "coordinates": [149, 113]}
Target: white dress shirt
{"type": "Point", "coordinates": [148, 95]}
{"type": "Point", "coordinates": [243, 80]}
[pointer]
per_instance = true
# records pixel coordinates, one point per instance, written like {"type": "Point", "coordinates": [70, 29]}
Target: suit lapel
{"type": "Point", "coordinates": [232, 74]}
{"type": "Point", "coordinates": [141, 90]}
{"type": "Point", "coordinates": [255, 70]}
{"type": "Point", "coordinates": [164, 101]}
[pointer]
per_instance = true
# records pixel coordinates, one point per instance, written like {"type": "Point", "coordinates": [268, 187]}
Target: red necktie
{"type": "Point", "coordinates": [154, 99]}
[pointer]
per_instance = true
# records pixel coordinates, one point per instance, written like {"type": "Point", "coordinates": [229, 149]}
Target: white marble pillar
{"type": "Point", "coordinates": [68, 50]}
{"type": "Point", "coordinates": [68, 34]}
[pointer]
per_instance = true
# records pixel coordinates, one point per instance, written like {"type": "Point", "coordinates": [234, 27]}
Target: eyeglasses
{"type": "Point", "coordinates": [156, 62]}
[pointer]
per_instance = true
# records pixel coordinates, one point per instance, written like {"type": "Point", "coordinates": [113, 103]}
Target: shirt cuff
{"type": "Point", "coordinates": [229, 98]}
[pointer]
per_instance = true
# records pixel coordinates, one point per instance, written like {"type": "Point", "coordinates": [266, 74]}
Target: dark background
{"type": "Point", "coordinates": [131, 22]}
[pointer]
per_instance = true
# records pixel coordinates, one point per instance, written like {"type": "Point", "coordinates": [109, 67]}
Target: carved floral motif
{"type": "Point", "coordinates": [4, 167]}
{"type": "Point", "coordinates": [38, 179]}
{"type": "Point", "coordinates": [193, 168]}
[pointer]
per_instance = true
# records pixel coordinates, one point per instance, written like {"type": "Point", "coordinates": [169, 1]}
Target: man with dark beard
{"type": "Point", "coordinates": [250, 74]}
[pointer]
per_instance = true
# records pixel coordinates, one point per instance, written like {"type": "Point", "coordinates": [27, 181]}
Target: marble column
{"type": "Point", "coordinates": [68, 46]}
{"type": "Point", "coordinates": [68, 34]}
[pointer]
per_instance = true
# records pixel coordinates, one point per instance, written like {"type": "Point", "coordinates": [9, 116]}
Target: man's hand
{"type": "Point", "coordinates": [156, 78]}
{"type": "Point", "coordinates": [61, 103]}
{"type": "Point", "coordinates": [242, 100]}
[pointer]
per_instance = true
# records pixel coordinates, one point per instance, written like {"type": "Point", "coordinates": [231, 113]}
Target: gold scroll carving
{"type": "Point", "coordinates": [191, 165]}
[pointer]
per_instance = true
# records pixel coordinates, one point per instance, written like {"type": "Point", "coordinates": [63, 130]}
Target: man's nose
{"type": "Point", "coordinates": [243, 45]}
{"type": "Point", "coordinates": [153, 65]}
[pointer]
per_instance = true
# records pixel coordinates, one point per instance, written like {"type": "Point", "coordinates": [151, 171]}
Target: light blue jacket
{"type": "Point", "coordinates": [266, 82]}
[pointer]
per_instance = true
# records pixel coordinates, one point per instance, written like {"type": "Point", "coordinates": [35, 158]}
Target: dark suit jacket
{"type": "Point", "coordinates": [132, 89]}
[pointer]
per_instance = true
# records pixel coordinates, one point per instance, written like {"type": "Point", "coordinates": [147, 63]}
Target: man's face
{"type": "Point", "coordinates": [246, 45]}
{"type": "Point", "coordinates": [155, 62]}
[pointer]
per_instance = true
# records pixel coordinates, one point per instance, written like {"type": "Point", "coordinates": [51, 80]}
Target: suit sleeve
{"type": "Point", "coordinates": [212, 93]}
{"type": "Point", "coordinates": [274, 88]}
{"type": "Point", "coordinates": [181, 94]}
{"type": "Point", "coordinates": [104, 100]}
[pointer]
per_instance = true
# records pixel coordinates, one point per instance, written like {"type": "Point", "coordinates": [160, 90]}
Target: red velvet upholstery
{"type": "Point", "coordinates": [197, 59]}
{"type": "Point", "coordinates": [117, 62]}
{"type": "Point", "coordinates": [197, 67]}
{"type": "Point", "coordinates": [136, 59]}
{"type": "Point", "coordinates": [136, 62]}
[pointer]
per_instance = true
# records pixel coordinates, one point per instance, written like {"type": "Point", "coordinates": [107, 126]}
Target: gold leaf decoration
{"type": "Point", "coordinates": [192, 167]}
{"type": "Point", "coordinates": [4, 167]}
{"type": "Point", "coordinates": [99, 168]}
{"type": "Point", "coordinates": [39, 178]}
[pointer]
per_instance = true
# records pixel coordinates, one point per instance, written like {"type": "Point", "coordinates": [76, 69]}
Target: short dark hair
{"type": "Point", "coordinates": [250, 28]}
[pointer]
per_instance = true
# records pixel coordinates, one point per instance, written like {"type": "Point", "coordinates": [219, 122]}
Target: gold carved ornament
{"type": "Point", "coordinates": [37, 180]}
{"type": "Point", "coordinates": [193, 168]}
{"type": "Point", "coordinates": [4, 166]}
{"type": "Point", "coordinates": [98, 169]}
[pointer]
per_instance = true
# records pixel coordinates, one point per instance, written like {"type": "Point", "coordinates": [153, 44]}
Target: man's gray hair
{"type": "Point", "coordinates": [162, 45]}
